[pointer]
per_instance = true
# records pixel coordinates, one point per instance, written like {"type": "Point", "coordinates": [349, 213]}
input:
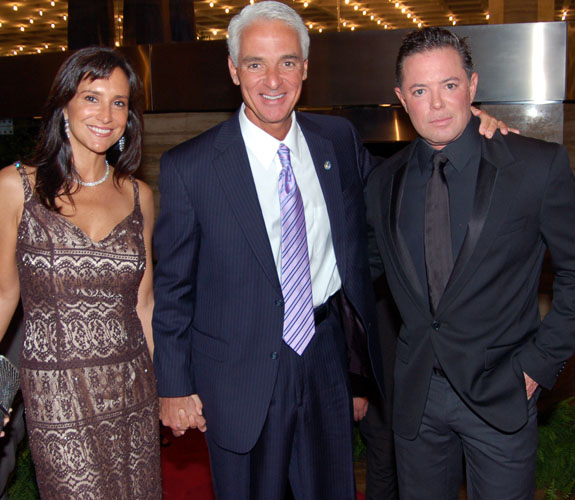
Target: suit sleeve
{"type": "Point", "coordinates": [176, 242]}
{"type": "Point", "coordinates": [545, 356]}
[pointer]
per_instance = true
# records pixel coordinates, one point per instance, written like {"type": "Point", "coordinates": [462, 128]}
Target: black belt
{"type": "Point", "coordinates": [439, 372]}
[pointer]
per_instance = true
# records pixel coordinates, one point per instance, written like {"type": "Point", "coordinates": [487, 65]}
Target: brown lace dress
{"type": "Point", "coordinates": [86, 375]}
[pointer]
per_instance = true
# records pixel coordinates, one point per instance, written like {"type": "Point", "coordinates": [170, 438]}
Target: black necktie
{"type": "Point", "coordinates": [438, 250]}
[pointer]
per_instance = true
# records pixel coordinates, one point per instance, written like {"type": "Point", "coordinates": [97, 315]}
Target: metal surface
{"type": "Point", "coordinates": [516, 63]}
{"type": "Point", "coordinates": [519, 62]}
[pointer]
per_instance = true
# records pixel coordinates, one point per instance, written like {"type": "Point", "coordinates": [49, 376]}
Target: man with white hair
{"type": "Point", "coordinates": [261, 247]}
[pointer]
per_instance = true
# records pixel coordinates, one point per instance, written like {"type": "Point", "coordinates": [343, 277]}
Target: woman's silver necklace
{"type": "Point", "coordinates": [94, 183]}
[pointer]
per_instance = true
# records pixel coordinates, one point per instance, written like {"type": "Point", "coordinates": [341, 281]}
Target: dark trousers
{"type": "Point", "coordinates": [498, 465]}
{"type": "Point", "coordinates": [381, 476]}
{"type": "Point", "coordinates": [307, 436]}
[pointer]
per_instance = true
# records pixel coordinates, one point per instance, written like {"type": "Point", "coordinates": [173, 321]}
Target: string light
{"type": "Point", "coordinates": [364, 12]}
{"type": "Point", "coordinates": [15, 8]}
{"type": "Point", "coordinates": [320, 30]}
{"type": "Point", "coordinates": [211, 4]}
{"type": "Point", "coordinates": [227, 10]}
{"type": "Point", "coordinates": [305, 4]}
{"type": "Point", "coordinates": [487, 16]}
{"type": "Point", "coordinates": [356, 7]}
{"type": "Point", "coordinates": [353, 28]}
{"type": "Point", "coordinates": [451, 18]}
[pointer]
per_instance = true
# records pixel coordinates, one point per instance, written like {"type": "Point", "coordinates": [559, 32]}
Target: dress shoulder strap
{"type": "Point", "coordinates": [136, 193]}
{"type": "Point", "coordinates": [25, 181]}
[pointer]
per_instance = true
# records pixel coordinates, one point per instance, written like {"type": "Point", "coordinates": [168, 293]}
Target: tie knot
{"type": "Point", "coordinates": [439, 160]}
{"type": "Point", "coordinates": [283, 153]}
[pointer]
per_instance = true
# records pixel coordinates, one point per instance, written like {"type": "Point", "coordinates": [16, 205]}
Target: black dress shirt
{"type": "Point", "coordinates": [464, 156]}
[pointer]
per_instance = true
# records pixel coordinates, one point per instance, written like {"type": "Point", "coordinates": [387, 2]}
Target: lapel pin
{"type": "Point", "coordinates": [327, 165]}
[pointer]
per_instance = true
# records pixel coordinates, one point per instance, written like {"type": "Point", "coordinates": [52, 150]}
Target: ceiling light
{"type": "Point", "coordinates": [15, 8]}
{"type": "Point", "coordinates": [487, 16]}
{"type": "Point", "coordinates": [52, 25]}
{"type": "Point", "coordinates": [356, 7]}
{"type": "Point", "coordinates": [409, 15]}
{"type": "Point", "coordinates": [372, 17]}
{"type": "Point", "coordinates": [227, 11]}
{"type": "Point", "coordinates": [379, 21]}
{"type": "Point", "coordinates": [305, 4]}
{"type": "Point", "coordinates": [211, 4]}
{"type": "Point", "coordinates": [454, 23]}
{"type": "Point", "coordinates": [320, 30]}
{"type": "Point", "coordinates": [31, 21]}
{"type": "Point", "coordinates": [21, 28]}
{"type": "Point", "coordinates": [364, 12]}
{"type": "Point", "coordinates": [41, 12]}
{"type": "Point", "coordinates": [419, 25]}
{"type": "Point", "coordinates": [403, 10]}
{"type": "Point", "coordinates": [451, 18]}
{"type": "Point", "coordinates": [215, 32]}
{"type": "Point", "coordinates": [353, 28]}
{"type": "Point", "coordinates": [52, 3]}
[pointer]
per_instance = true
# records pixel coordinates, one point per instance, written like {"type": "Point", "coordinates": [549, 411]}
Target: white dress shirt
{"type": "Point", "coordinates": [265, 165]}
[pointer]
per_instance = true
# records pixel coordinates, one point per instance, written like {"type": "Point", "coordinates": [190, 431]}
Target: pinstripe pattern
{"type": "Point", "coordinates": [299, 325]}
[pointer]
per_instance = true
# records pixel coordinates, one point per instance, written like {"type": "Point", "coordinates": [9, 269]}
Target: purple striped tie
{"type": "Point", "coordinates": [299, 324]}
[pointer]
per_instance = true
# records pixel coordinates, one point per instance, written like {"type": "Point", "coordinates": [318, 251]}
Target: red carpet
{"type": "Point", "coordinates": [186, 468]}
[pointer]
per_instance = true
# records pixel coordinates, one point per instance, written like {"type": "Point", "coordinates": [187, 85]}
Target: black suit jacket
{"type": "Point", "coordinates": [218, 314]}
{"type": "Point", "coordinates": [487, 329]}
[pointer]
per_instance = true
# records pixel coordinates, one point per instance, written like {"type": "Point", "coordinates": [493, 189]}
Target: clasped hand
{"type": "Point", "coordinates": [182, 413]}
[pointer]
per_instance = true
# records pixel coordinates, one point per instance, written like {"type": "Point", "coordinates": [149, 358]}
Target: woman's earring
{"type": "Point", "coordinates": [67, 127]}
{"type": "Point", "coordinates": [122, 143]}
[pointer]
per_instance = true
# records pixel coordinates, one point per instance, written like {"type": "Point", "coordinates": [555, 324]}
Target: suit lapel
{"type": "Point", "coordinates": [397, 248]}
{"type": "Point", "coordinates": [328, 172]}
{"type": "Point", "coordinates": [233, 168]}
{"type": "Point", "coordinates": [499, 176]}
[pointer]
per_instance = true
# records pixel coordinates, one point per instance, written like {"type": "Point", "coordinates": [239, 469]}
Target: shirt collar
{"type": "Point", "coordinates": [458, 152]}
{"type": "Point", "coordinates": [262, 145]}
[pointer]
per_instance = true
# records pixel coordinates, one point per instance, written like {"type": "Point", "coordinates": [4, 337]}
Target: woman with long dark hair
{"type": "Point", "coordinates": [75, 244]}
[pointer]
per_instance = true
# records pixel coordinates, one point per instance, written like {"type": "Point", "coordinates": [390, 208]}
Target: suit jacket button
{"type": "Point", "coordinates": [436, 325]}
{"type": "Point", "coordinates": [274, 355]}
{"type": "Point", "coordinates": [279, 302]}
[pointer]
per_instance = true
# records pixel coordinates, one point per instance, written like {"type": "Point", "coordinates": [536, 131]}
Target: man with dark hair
{"type": "Point", "coordinates": [460, 226]}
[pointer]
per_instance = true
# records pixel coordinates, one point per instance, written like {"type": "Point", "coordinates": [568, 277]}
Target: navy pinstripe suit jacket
{"type": "Point", "coordinates": [219, 312]}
